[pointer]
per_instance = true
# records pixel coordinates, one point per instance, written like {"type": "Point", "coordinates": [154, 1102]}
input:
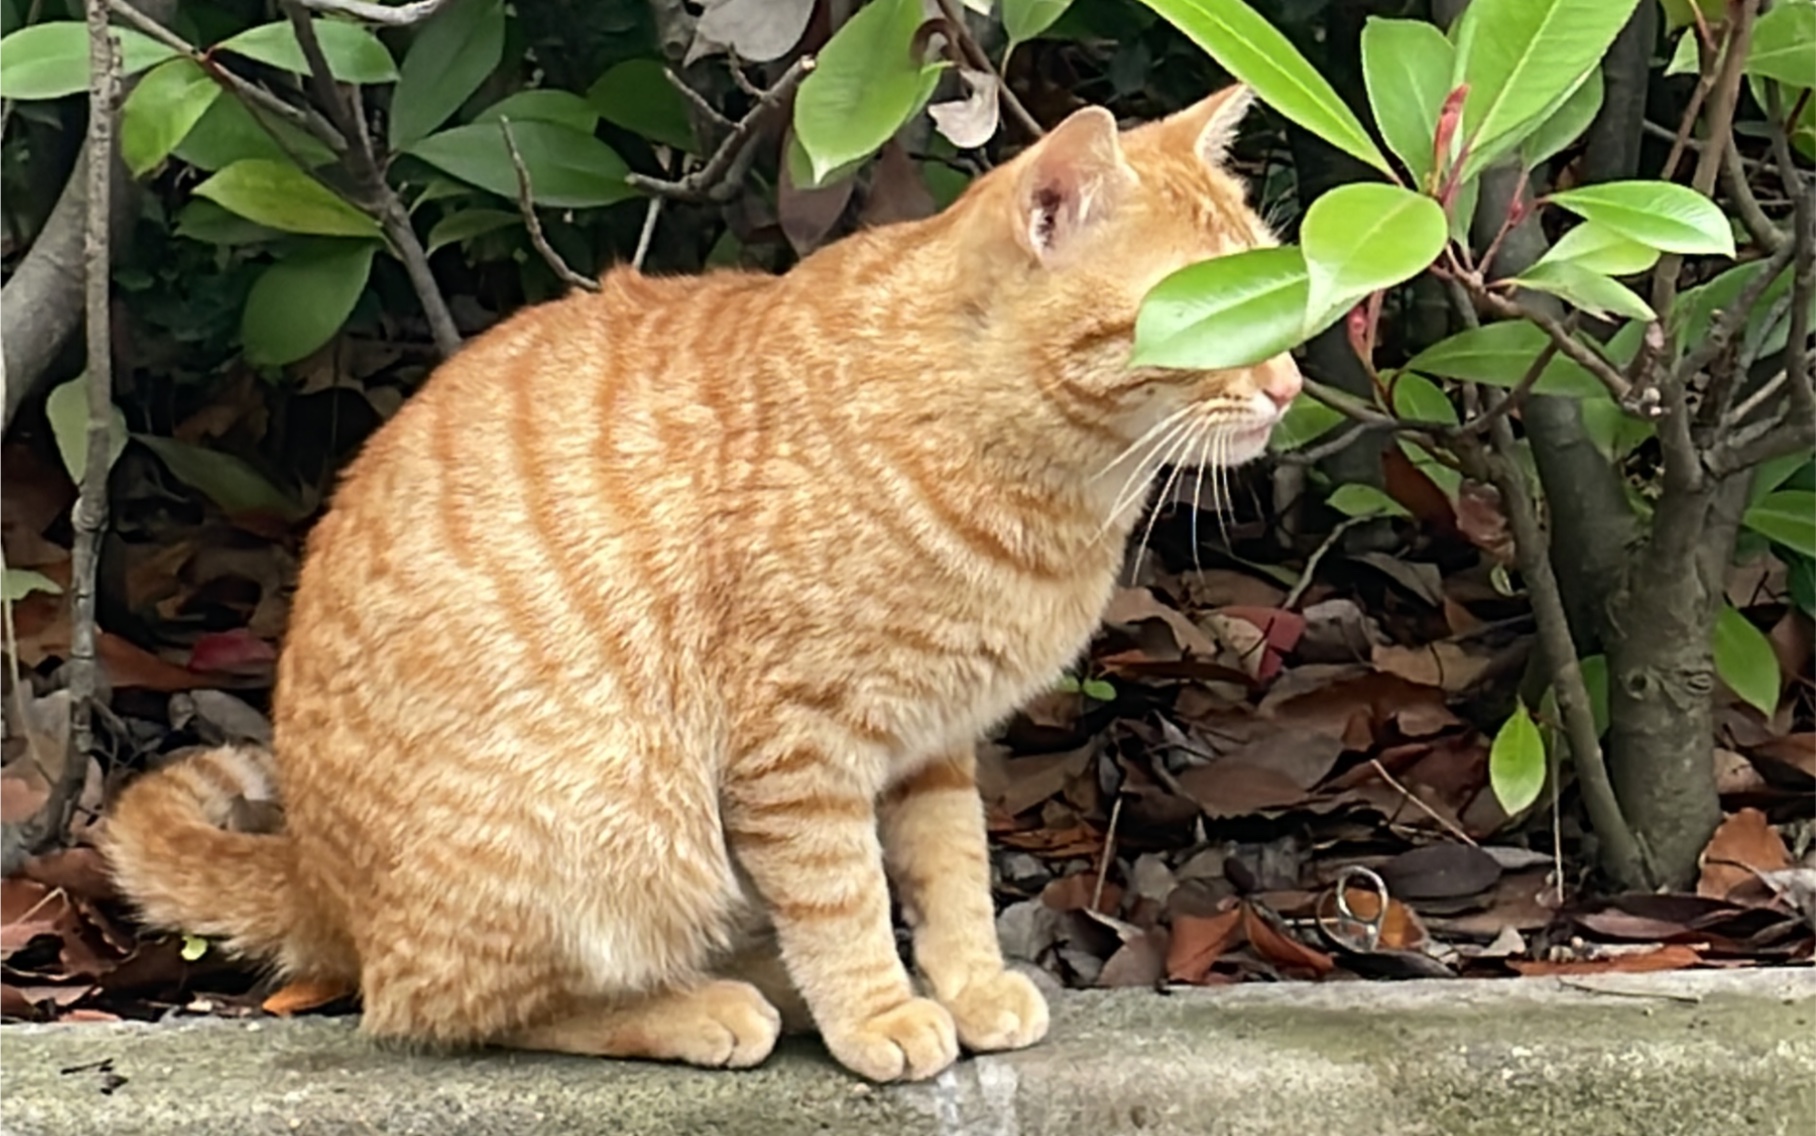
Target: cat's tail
{"type": "Point", "coordinates": [187, 848]}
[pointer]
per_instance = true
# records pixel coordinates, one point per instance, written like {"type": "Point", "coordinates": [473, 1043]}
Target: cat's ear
{"type": "Point", "coordinates": [1069, 183]}
{"type": "Point", "coordinates": [1209, 125]}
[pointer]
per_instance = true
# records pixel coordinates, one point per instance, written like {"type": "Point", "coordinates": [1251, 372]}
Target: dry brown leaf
{"type": "Point", "coordinates": [1744, 845]}
{"type": "Point", "coordinates": [1280, 948]}
{"type": "Point", "coordinates": [1238, 788]}
{"type": "Point", "coordinates": [1199, 941]}
{"type": "Point", "coordinates": [1674, 956]}
{"type": "Point", "coordinates": [1140, 961]}
{"type": "Point", "coordinates": [306, 995]}
{"type": "Point", "coordinates": [1448, 666]}
{"type": "Point", "coordinates": [1131, 607]}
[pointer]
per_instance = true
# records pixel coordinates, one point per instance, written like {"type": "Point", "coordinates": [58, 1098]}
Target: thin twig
{"type": "Point", "coordinates": [1444, 822]}
{"type": "Point", "coordinates": [1109, 853]}
{"type": "Point", "coordinates": [1615, 992]}
{"type": "Point", "coordinates": [650, 214]}
{"type": "Point", "coordinates": [973, 54]}
{"type": "Point", "coordinates": [1573, 348]}
{"type": "Point", "coordinates": [526, 206]}
{"type": "Point", "coordinates": [1765, 234]}
{"type": "Point", "coordinates": [718, 179]}
{"type": "Point", "coordinates": [399, 16]}
{"type": "Point", "coordinates": [1317, 557]}
{"type": "Point", "coordinates": [1516, 397]}
{"type": "Point", "coordinates": [697, 100]}
{"type": "Point", "coordinates": [1803, 243]}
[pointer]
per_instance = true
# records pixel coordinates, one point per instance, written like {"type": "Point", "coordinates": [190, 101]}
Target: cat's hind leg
{"type": "Point", "coordinates": [718, 1024]}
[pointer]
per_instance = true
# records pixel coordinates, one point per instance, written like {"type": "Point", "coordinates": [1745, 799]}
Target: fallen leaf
{"type": "Point", "coordinates": [1140, 961]}
{"type": "Point", "coordinates": [1744, 845]}
{"type": "Point", "coordinates": [971, 121]}
{"type": "Point", "coordinates": [1199, 941]}
{"type": "Point", "coordinates": [1675, 956]}
{"type": "Point", "coordinates": [1280, 948]}
{"type": "Point", "coordinates": [1239, 788]}
{"type": "Point", "coordinates": [305, 995]}
{"type": "Point", "coordinates": [1449, 666]}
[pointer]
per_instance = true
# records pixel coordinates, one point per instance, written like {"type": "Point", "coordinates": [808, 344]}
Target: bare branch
{"type": "Point", "coordinates": [973, 54]}
{"type": "Point", "coordinates": [718, 179]}
{"type": "Point", "coordinates": [1803, 244]}
{"type": "Point", "coordinates": [1765, 234]}
{"type": "Point", "coordinates": [526, 206]}
{"type": "Point", "coordinates": [401, 16]}
{"type": "Point", "coordinates": [650, 215]}
{"type": "Point", "coordinates": [1573, 348]}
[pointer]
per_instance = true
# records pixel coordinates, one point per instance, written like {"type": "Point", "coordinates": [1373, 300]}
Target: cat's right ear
{"type": "Point", "coordinates": [1069, 183]}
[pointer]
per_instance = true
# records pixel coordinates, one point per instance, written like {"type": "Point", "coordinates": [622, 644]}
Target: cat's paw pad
{"type": "Point", "coordinates": [912, 1042]}
{"type": "Point", "coordinates": [1002, 1010]}
{"type": "Point", "coordinates": [725, 1025]}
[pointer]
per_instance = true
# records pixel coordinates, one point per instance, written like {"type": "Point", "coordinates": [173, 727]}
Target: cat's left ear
{"type": "Point", "coordinates": [1069, 183]}
{"type": "Point", "coordinates": [1209, 125]}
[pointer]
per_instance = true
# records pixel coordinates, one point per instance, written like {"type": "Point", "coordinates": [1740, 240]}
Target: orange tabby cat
{"type": "Point", "coordinates": [662, 622]}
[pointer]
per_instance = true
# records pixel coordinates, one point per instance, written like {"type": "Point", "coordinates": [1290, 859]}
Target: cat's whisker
{"type": "Point", "coordinates": [1220, 498]}
{"type": "Point", "coordinates": [1136, 485]}
{"type": "Point", "coordinates": [1137, 443]}
{"type": "Point", "coordinates": [1179, 450]}
{"type": "Point", "coordinates": [1209, 439]}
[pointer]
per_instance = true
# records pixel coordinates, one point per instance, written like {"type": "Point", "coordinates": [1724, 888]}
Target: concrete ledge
{"type": "Point", "coordinates": [1690, 1054]}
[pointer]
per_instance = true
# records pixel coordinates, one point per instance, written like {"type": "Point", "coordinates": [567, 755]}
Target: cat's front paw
{"type": "Point", "coordinates": [1000, 1010]}
{"type": "Point", "coordinates": [912, 1042]}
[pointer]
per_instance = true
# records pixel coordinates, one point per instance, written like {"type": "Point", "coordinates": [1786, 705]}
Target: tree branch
{"type": "Point", "coordinates": [717, 181]}
{"type": "Point", "coordinates": [973, 54]}
{"type": "Point", "coordinates": [400, 16]}
{"type": "Point", "coordinates": [527, 207]}
{"type": "Point", "coordinates": [1573, 348]}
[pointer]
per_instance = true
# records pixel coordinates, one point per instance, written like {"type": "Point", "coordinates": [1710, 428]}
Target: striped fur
{"type": "Point", "coordinates": [663, 620]}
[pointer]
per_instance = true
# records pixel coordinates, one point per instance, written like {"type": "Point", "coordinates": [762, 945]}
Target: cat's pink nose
{"type": "Point", "coordinates": [1282, 382]}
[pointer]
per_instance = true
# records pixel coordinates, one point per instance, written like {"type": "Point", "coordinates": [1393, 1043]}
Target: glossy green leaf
{"type": "Point", "coordinates": [1520, 58]}
{"type": "Point", "coordinates": [1792, 471]}
{"type": "Point", "coordinates": [1026, 19]}
{"type": "Point", "coordinates": [637, 96]}
{"type": "Point", "coordinates": [67, 408]}
{"type": "Point", "coordinates": [1099, 689]}
{"type": "Point", "coordinates": [354, 54]}
{"type": "Point", "coordinates": [1600, 249]}
{"type": "Point", "coordinates": [194, 947]}
{"type": "Point", "coordinates": [1418, 399]}
{"type": "Point", "coordinates": [161, 111]}
{"type": "Point", "coordinates": [866, 84]}
{"type": "Point", "coordinates": [227, 133]}
{"type": "Point", "coordinates": [470, 223]}
{"type": "Point", "coordinates": [1613, 431]}
{"type": "Point", "coordinates": [50, 60]}
{"type": "Point", "coordinates": [1516, 762]}
{"type": "Point", "coordinates": [1663, 215]}
{"type": "Point", "coordinates": [1357, 500]}
{"type": "Point", "coordinates": [1407, 65]}
{"type": "Point", "coordinates": [453, 52]}
{"type": "Point", "coordinates": [17, 583]}
{"type": "Point", "coordinates": [1254, 51]}
{"type": "Point", "coordinates": [298, 303]}
{"type": "Point", "coordinates": [1305, 421]}
{"type": "Point", "coordinates": [1565, 123]}
{"type": "Point", "coordinates": [224, 479]}
{"type": "Point", "coordinates": [1787, 516]}
{"type": "Point", "coordinates": [544, 104]}
{"type": "Point", "coordinates": [1498, 354]}
{"type": "Point", "coordinates": [1226, 312]}
{"type": "Point", "coordinates": [1362, 237]}
{"type": "Point", "coordinates": [1745, 660]}
{"type": "Point", "coordinates": [568, 169]}
{"type": "Point", "coordinates": [203, 220]}
{"type": "Point", "coordinates": [1784, 45]}
{"type": "Point", "coordinates": [1595, 293]}
{"type": "Point", "coordinates": [280, 196]}
{"type": "Point", "coordinates": [1686, 57]}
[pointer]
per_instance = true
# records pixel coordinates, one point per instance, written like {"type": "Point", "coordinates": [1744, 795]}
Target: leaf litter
{"type": "Point", "coordinates": [1249, 777]}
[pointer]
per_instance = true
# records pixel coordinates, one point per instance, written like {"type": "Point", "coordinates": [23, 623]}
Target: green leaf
{"type": "Point", "coordinates": [1025, 19]}
{"type": "Point", "coordinates": [1745, 660]}
{"type": "Point", "coordinates": [50, 60]}
{"type": "Point", "coordinates": [224, 479]}
{"type": "Point", "coordinates": [1686, 57]}
{"type": "Point", "coordinates": [17, 583]}
{"type": "Point", "coordinates": [544, 104]}
{"type": "Point", "coordinates": [1362, 237]}
{"type": "Point", "coordinates": [67, 408]}
{"type": "Point", "coordinates": [1229, 311]}
{"type": "Point", "coordinates": [203, 220]}
{"type": "Point", "coordinates": [1520, 58]}
{"type": "Point", "coordinates": [1600, 249]}
{"type": "Point", "coordinates": [194, 947]}
{"type": "Point", "coordinates": [281, 196]}
{"type": "Point", "coordinates": [1305, 421]}
{"type": "Point", "coordinates": [568, 169]}
{"type": "Point", "coordinates": [1407, 65]}
{"type": "Point", "coordinates": [469, 223]}
{"type": "Point", "coordinates": [1787, 516]}
{"type": "Point", "coordinates": [1498, 354]}
{"type": "Point", "coordinates": [1665, 216]}
{"type": "Point", "coordinates": [1566, 123]}
{"type": "Point", "coordinates": [637, 96]}
{"type": "Point", "coordinates": [228, 133]}
{"type": "Point", "coordinates": [1798, 470]}
{"type": "Point", "coordinates": [1591, 291]}
{"type": "Point", "coordinates": [1097, 689]}
{"type": "Point", "coordinates": [161, 111]}
{"type": "Point", "coordinates": [1516, 762]}
{"type": "Point", "coordinates": [1784, 45]}
{"type": "Point", "coordinates": [1418, 399]}
{"type": "Point", "coordinates": [354, 54]}
{"type": "Point", "coordinates": [1614, 432]}
{"type": "Point", "coordinates": [1357, 500]}
{"type": "Point", "coordinates": [453, 52]}
{"type": "Point", "coordinates": [1595, 680]}
{"type": "Point", "coordinates": [298, 303]}
{"type": "Point", "coordinates": [1254, 51]}
{"type": "Point", "coordinates": [866, 83]}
